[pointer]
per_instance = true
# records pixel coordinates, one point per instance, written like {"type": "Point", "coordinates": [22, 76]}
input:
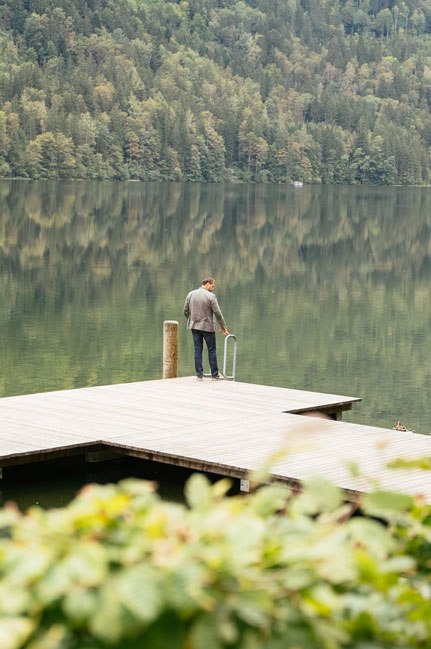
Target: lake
{"type": "Point", "coordinates": [326, 288]}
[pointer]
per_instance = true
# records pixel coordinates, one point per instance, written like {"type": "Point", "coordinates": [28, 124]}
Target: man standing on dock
{"type": "Point", "coordinates": [200, 309]}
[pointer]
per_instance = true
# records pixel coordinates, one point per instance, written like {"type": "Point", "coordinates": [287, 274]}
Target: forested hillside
{"type": "Point", "coordinates": [329, 91]}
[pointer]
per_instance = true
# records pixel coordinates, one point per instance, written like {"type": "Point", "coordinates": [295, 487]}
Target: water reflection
{"type": "Point", "coordinates": [326, 288]}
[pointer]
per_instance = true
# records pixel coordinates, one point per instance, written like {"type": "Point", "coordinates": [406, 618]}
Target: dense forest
{"type": "Point", "coordinates": [322, 91]}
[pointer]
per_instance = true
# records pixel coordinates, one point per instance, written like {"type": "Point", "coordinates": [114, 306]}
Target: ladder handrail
{"type": "Point", "coordinates": [231, 377]}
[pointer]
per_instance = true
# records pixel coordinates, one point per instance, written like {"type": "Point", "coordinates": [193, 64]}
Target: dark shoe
{"type": "Point", "coordinates": [218, 377]}
{"type": "Point", "coordinates": [199, 377]}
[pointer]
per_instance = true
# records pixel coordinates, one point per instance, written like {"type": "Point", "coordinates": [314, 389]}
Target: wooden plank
{"type": "Point", "coordinates": [225, 427]}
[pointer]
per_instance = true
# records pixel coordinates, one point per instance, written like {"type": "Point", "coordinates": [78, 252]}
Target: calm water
{"type": "Point", "coordinates": [326, 288]}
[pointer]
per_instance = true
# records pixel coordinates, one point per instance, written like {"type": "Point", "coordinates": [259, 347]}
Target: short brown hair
{"type": "Point", "coordinates": [207, 280]}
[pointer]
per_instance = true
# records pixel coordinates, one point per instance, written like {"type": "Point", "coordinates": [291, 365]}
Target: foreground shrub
{"type": "Point", "coordinates": [120, 568]}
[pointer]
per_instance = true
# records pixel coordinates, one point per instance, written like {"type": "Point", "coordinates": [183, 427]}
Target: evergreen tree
{"type": "Point", "coordinates": [206, 90]}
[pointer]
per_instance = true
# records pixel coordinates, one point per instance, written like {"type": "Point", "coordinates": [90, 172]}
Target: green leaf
{"type": "Point", "coordinates": [220, 488]}
{"type": "Point", "coordinates": [87, 564]}
{"type": "Point", "coordinates": [371, 535]}
{"type": "Point", "coordinates": [27, 565]}
{"type": "Point", "coordinates": [53, 585]}
{"type": "Point", "coordinates": [9, 515]}
{"type": "Point", "coordinates": [251, 607]}
{"type": "Point", "coordinates": [198, 491]}
{"type": "Point", "coordinates": [270, 499]}
{"type": "Point", "coordinates": [184, 588]}
{"type": "Point", "coordinates": [80, 605]}
{"type": "Point", "coordinates": [109, 623]}
{"type": "Point", "coordinates": [332, 636]}
{"type": "Point", "coordinates": [319, 495]}
{"type": "Point", "coordinates": [139, 591]}
{"type": "Point", "coordinates": [13, 600]}
{"type": "Point", "coordinates": [397, 564]}
{"type": "Point", "coordinates": [386, 503]}
{"type": "Point", "coordinates": [14, 631]}
{"type": "Point", "coordinates": [354, 469]}
{"type": "Point", "coordinates": [321, 600]}
{"type": "Point", "coordinates": [204, 634]}
{"type": "Point", "coordinates": [423, 463]}
{"type": "Point", "coordinates": [54, 638]}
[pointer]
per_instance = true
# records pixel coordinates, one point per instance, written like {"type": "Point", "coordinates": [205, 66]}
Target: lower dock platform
{"type": "Point", "coordinates": [223, 427]}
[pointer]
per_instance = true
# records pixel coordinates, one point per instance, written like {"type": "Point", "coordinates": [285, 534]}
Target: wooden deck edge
{"type": "Point", "coordinates": [179, 460]}
{"type": "Point", "coordinates": [329, 409]}
{"type": "Point", "coordinates": [204, 466]}
{"type": "Point", "coordinates": [226, 470]}
{"type": "Point", "coordinates": [68, 450]}
{"type": "Point", "coordinates": [342, 405]}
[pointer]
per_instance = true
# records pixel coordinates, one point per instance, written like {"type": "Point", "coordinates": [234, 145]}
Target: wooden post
{"type": "Point", "coordinates": [170, 349]}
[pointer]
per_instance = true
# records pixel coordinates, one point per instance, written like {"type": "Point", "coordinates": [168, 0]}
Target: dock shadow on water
{"type": "Point", "coordinates": [55, 483]}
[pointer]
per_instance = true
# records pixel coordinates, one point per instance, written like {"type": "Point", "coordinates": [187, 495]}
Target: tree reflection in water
{"type": "Point", "coordinates": [326, 288]}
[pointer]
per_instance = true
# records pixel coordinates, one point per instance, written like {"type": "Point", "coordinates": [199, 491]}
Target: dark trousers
{"type": "Point", "coordinates": [210, 340]}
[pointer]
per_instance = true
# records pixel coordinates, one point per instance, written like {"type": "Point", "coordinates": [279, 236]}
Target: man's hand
{"type": "Point", "coordinates": [225, 332]}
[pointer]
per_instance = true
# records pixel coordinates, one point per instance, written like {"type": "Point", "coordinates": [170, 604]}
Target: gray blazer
{"type": "Point", "coordinates": [200, 308]}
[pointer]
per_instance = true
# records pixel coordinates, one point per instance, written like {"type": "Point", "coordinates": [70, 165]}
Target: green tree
{"type": "Point", "coordinates": [384, 22]}
{"type": "Point", "coordinates": [211, 149]}
{"type": "Point", "coordinates": [36, 35]}
{"type": "Point", "coordinates": [142, 73]}
{"type": "Point", "coordinates": [50, 155]}
{"type": "Point", "coordinates": [4, 143]}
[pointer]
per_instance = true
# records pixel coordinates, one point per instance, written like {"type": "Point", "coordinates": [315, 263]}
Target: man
{"type": "Point", "coordinates": [200, 309]}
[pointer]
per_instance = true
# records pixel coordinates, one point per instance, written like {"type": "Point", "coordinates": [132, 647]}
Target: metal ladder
{"type": "Point", "coordinates": [229, 377]}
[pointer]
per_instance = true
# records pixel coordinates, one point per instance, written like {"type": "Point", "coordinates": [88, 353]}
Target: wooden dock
{"type": "Point", "coordinates": [226, 428]}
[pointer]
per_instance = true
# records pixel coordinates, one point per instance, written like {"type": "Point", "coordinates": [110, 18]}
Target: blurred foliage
{"type": "Point", "coordinates": [119, 568]}
{"type": "Point", "coordinates": [211, 90]}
